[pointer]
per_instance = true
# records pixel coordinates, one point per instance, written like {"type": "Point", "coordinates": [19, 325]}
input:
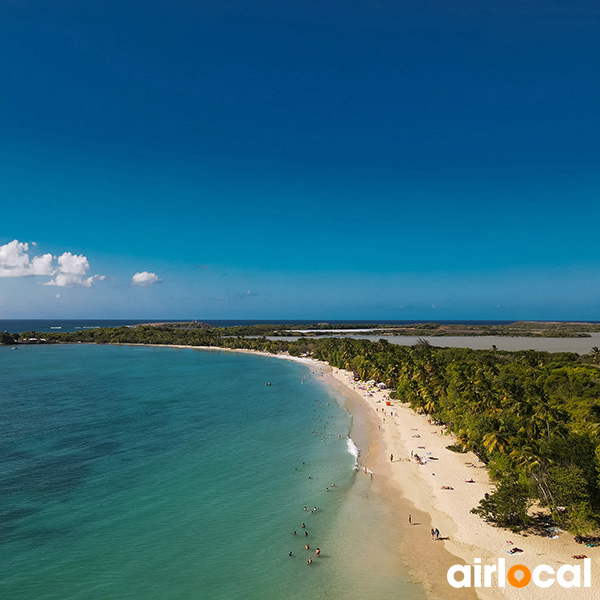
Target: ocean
{"type": "Point", "coordinates": [158, 473]}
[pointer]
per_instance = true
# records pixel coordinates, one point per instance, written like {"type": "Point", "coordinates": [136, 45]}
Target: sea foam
{"type": "Point", "coordinates": [353, 449]}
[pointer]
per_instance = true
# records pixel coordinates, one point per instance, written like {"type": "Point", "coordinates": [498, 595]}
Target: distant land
{"type": "Point", "coordinates": [556, 329]}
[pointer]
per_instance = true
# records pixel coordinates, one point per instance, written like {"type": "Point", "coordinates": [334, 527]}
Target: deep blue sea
{"type": "Point", "coordinates": [158, 473]}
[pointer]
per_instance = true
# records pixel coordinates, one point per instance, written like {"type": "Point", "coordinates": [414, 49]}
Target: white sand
{"type": "Point", "coordinates": [469, 536]}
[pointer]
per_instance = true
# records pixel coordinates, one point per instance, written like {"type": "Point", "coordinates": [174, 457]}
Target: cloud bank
{"type": "Point", "coordinates": [66, 270]}
{"type": "Point", "coordinates": [144, 279]}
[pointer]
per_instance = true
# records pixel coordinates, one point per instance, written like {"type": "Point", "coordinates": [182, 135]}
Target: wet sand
{"type": "Point", "coordinates": [400, 430]}
{"type": "Point", "coordinates": [427, 560]}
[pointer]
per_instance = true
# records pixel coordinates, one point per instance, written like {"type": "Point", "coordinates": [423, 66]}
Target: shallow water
{"type": "Point", "coordinates": [142, 473]}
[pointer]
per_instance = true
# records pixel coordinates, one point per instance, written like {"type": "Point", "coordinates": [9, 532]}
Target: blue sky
{"type": "Point", "coordinates": [349, 160]}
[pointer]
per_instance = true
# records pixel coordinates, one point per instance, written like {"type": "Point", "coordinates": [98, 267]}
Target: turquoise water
{"type": "Point", "coordinates": [157, 473]}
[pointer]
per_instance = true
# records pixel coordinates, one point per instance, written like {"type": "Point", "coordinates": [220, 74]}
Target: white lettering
{"type": "Point", "coordinates": [587, 572]}
{"type": "Point", "coordinates": [466, 580]}
{"type": "Point", "coordinates": [487, 575]}
{"type": "Point", "coordinates": [501, 572]}
{"type": "Point", "coordinates": [543, 576]}
{"type": "Point", "coordinates": [477, 572]}
{"type": "Point", "coordinates": [543, 583]}
{"type": "Point", "coordinates": [574, 582]}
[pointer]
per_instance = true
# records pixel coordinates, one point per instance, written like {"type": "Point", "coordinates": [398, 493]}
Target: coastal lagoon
{"type": "Point", "coordinates": [580, 345]}
{"type": "Point", "coordinates": [158, 473]}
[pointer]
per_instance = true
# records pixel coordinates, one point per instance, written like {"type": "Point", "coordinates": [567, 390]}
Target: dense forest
{"type": "Point", "coordinates": [518, 328]}
{"type": "Point", "coordinates": [532, 417]}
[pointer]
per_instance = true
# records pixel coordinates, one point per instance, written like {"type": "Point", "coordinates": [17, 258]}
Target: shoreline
{"type": "Point", "coordinates": [449, 509]}
{"type": "Point", "coordinates": [411, 488]}
{"type": "Point", "coordinates": [420, 555]}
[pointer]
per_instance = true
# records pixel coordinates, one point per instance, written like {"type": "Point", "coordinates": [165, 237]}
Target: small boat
{"type": "Point", "coordinates": [14, 348]}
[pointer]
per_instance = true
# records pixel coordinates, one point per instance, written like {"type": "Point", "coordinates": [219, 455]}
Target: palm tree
{"type": "Point", "coordinates": [496, 440]}
{"type": "Point", "coordinates": [529, 459]}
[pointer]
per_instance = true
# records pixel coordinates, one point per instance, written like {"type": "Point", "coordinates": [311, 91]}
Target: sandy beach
{"type": "Point", "coordinates": [440, 493]}
{"type": "Point", "coordinates": [401, 432]}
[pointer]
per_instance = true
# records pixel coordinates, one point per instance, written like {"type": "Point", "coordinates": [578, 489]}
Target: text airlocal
{"type": "Point", "coordinates": [543, 576]}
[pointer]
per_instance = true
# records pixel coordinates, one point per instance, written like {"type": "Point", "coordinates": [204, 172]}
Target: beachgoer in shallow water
{"type": "Point", "coordinates": [309, 561]}
{"type": "Point", "coordinates": [290, 554]}
{"type": "Point", "coordinates": [305, 533]}
{"type": "Point", "coordinates": [318, 552]}
{"type": "Point", "coordinates": [294, 533]}
{"type": "Point", "coordinates": [307, 547]}
{"type": "Point", "coordinates": [303, 525]}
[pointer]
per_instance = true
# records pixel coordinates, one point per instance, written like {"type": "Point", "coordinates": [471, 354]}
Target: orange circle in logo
{"type": "Point", "coordinates": [512, 579]}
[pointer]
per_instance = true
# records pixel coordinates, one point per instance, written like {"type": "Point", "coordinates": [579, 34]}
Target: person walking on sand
{"type": "Point", "coordinates": [391, 458]}
{"type": "Point", "coordinates": [410, 519]}
{"type": "Point", "coordinates": [432, 533]}
{"type": "Point", "coordinates": [437, 533]}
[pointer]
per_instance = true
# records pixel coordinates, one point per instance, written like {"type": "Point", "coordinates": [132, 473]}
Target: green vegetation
{"type": "Point", "coordinates": [520, 329]}
{"type": "Point", "coordinates": [8, 338]}
{"type": "Point", "coordinates": [532, 417]}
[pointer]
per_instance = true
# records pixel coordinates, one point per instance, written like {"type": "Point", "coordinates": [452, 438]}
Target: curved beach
{"type": "Point", "coordinates": [401, 431]}
{"type": "Point", "coordinates": [420, 490]}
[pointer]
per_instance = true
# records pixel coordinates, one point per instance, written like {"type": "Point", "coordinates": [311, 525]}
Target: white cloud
{"type": "Point", "coordinates": [71, 270]}
{"type": "Point", "coordinates": [72, 280]}
{"type": "Point", "coordinates": [74, 264]}
{"type": "Point", "coordinates": [42, 265]}
{"type": "Point", "coordinates": [145, 279]}
{"type": "Point", "coordinates": [14, 260]}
